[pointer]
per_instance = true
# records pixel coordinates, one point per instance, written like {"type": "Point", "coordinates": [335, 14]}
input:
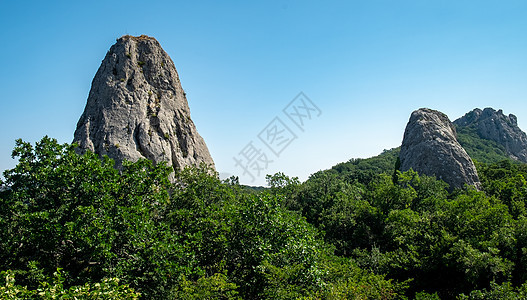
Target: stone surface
{"type": "Point", "coordinates": [137, 109]}
{"type": "Point", "coordinates": [496, 126]}
{"type": "Point", "coordinates": [430, 147]}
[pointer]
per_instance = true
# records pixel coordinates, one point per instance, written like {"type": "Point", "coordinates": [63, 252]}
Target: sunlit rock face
{"type": "Point", "coordinates": [430, 147]}
{"type": "Point", "coordinates": [137, 109]}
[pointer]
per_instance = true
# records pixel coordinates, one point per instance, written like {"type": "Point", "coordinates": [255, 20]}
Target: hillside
{"type": "Point", "coordinates": [364, 169]}
{"type": "Point", "coordinates": [480, 149]}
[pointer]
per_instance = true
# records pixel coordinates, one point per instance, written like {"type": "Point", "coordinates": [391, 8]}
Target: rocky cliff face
{"type": "Point", "coordinates": [430, 147]}
{"type": "Point", "coordinates": [137, 109]}
{"type": "Point", "coordinates": [495, 126]}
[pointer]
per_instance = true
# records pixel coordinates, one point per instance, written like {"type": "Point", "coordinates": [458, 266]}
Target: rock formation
{"type": "Point", "coordinates": [430, 147]}
{"type": "Point", "coordinates": [495, 126]}
{"type": "Point", "coordinates": [137, 109]}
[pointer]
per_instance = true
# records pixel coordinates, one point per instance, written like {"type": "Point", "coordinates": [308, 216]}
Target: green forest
{"type": "Point", "coordinates": [74, 227]}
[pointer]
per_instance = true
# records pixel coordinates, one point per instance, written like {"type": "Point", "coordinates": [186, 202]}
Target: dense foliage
{"type": "Point", "coordinates": [365, 170]}
{"type": "Point", "coordinates": [468, 244]}
{"type": "Point", "coordinates": [73, 225]}
{"type": "Point", "coordinates": [196, 239]}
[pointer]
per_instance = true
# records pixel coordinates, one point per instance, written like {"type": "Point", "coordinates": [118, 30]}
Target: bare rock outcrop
{"type": "Point", "coordinates": [430, 147]}
{"type": "Point", "coordinates": [493, 125]}
{"type": "Point", "coordinates": [137, 109]}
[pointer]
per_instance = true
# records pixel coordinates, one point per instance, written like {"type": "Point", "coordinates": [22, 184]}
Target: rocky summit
{"type": "Point", "coordinates": [430, 147]}
{"type": "Point", "coordinates": [493, 125]}
{"type": "Point", "coordinates": [137, 108]}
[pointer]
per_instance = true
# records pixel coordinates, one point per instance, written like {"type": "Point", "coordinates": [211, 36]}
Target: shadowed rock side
{"type": "Point", "coordinates": [137, 109]}
{"type": "Point", "coordinates": [495, 126]}
{"type": "Point", "coordinates": [430, 147]}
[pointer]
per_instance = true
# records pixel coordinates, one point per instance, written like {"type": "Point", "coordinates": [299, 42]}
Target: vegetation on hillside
{"type": "Point", "coordinates": [72, 226]}
{"type": "Point", "coordinates": [482, 150]}
{"type": "Point", "coordinates": [365, 170]}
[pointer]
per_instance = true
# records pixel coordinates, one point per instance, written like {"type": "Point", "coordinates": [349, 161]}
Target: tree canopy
{"type": "Point", "coordinates": [73, 226]}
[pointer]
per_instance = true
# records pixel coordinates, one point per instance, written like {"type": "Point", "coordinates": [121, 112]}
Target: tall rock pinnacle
{"type": "Point", "coordinates": [430, 147]}
{"type": "Point", "coordinates": [137, 109]}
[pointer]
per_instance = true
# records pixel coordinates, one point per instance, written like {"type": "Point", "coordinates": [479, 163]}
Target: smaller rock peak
{"type": "Point", "coordinates": [430, 147]}
{"type": "Point", "coordinates": [490, 112]}
{"type": "Point", "coordinates": [469, 117]}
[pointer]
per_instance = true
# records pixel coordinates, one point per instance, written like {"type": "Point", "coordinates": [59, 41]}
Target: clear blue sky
{"type": "Point", "coordinates": [365, 64]}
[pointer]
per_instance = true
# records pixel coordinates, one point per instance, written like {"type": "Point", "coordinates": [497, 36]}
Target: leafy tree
{"type": "Point", "coordinates": [53, 288]}
{"type": "Point", "coordinates": [76, 212]}
{"type": "Point", "coordinates": [244, 235]}
{"type": "Point", "coordinates": [497, 292]}
{"type": "Point", "coordinates": [505, 180]}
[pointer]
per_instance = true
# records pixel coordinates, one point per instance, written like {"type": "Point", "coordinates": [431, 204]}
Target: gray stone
{"type": "Point", "coordinates": [495, 126]}
{"type": "Point", "coordinates": [137, 109]}
{"type": "Point", "coordinates": [430, 147]}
